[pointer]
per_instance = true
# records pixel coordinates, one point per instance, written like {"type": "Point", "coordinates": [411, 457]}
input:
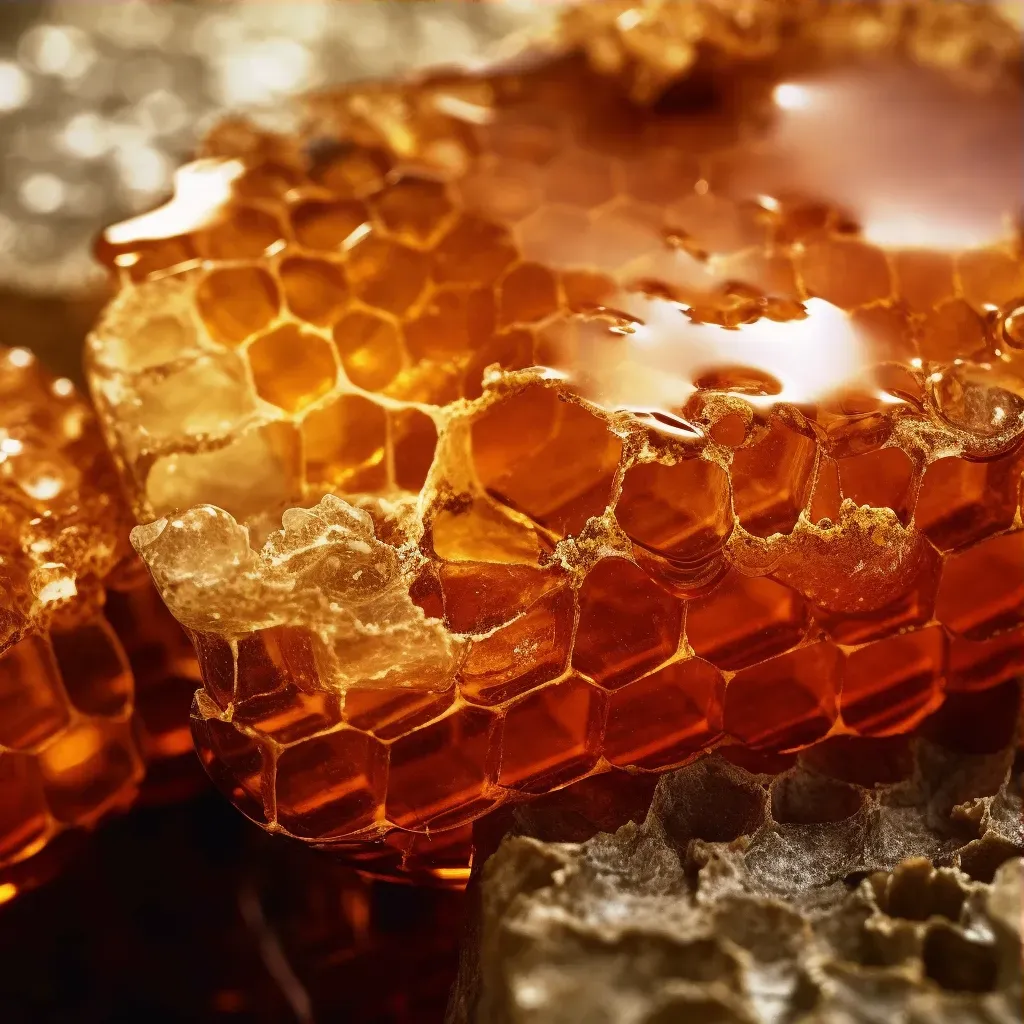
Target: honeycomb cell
{"type": "Point", "coordinates": [88, 768]}
{"type": "Point", "coordinates": [475, 252]}
{"type": "Point", "coordinates": [746, 619]}
{"type": "Point", "coordinates": [389, 713]}
{"type": "Point", "coordinates": [678, 518]}
{"type": "Point", "coordinates": [243, 232]}
{"type": "Point", "coordinates": [982, 664]}
{"type": "Point", "coordinates": [344, 440]}
{"type": "Point", "coordinates": [314, 290]}
{"type": "Point", "coordinates": [413, 441]}
{"type": "Point", "coordinates": [328, 226]}
{"type": "Point", "coordinates": [439, 773]}
{"type": "Point", "coordinates": [236, 302]}
{"type": "Point", "coordinates": [455, 320]}
{"type": "Point", "coordinates": [330, 785]}
{"type": "Point", "coordinates": [627, 624]}
{"type": "Point", "coordinates": [546, 457]}
{"type": "Point", "coordinates": [989, 277]}
{"type": "Point", "coordinates": [494, 670]}
{"type": "Point", "coordinates": [93, 665]}
{"type": "Point", "coordinates": [963, 501]}
{"type": "Point", "coordinates": [925, 279]}
{"type": "Point", "coordinates": [787, 702]}
{"type": "Point", "coordinates": [478, 597]}
{"type": "Point", "coordinates": [292, 368]}
{"type": "Point", "coordinates": [771, 480]}
{"type": "Point", "coordinates": [528, 293]}
{"type": "Point", "coordinates": [25, 823]}
{"type": "Point", "coordinates": [551, 736]}
{"type": "Point", "coordinates": [233, 760]}
{"type": "Point", "coordinates": [664, 718]}
{"type": "Point", "coordinates": [881, 479]}
{"type": "Point", "coordinates": [386, 275]}
{"type": "Point", "coordinates": [950, 332]}
{"type": "Point", "coordinates": [891, 685]}
{"type": "Point", "coordinates": [982, 588]}
{"type": "Point", "coordinates": [414, 210]}
{"type": "Point", "coordinates": [31, 698]}
{"type": "Point", "coordinates": [371, 349]}
{"type": "Point", "coordinates": [846, 273]}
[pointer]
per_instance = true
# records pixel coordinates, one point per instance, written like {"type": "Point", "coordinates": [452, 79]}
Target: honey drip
{"type": "Point", "coordinates": [498, 431]}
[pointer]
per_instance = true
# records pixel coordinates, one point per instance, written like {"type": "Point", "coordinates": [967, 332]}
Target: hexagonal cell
{"type": "Point", "coordinates": [370, 348]}
{"type": "Point", "coordinates": [439, 773]}
{"type": "Point", "coordinates": [288, 715]}
{"type": "Point", "coordinates": [846, 273]}
{"type": "Point", "coordinates": [555, 236]}
{"type": "Point", "coordinates": [546, 457]}
{"type": "Point", "coordinates": [787, 702]}
{"type": "Point", "coordinates": [415, 210]}
{"type": "Point", "coordinates": [665, 718]}
{"type": "Point", "coordinates": [618, 235]}
{"type": "Point", "coordinates": [331, 785]}
{"type": "Point", "coordinates": [344, 441]}
{"type": "Point", "coordinates": [771, 480]}
{"type": "Point", "coordinates": [389, 713]}
{"type": "Point", "coordinates": [454, 319]}
{"type": "Point", "coordinates": [988, 276]}
{"type": "Point", "coordinates": [982, 588]}
{"type": "Point", "coordinates": [315, 290]}
{"type": "Point", "coordinates": [33, 706]}
{"type": "Point", "coordinates": [982, 664]}
{"type": "Point", "coordinates": [387, 275]}
{"type": "Point", "coordinates": [664, 175]}
{"type": "Point", "coordinates": [910, 603]}
{"type": "Point", "coordinates": [881, 479]}
{"type": "Point", "coordinates": [681, 513]}
{"type": "Point", "coordinates": [527, 293]}
{"type": "Point", "coordinates": [924, 278]}
{"type": "Point", "coordinates": [891, 685]}
{"type": "Point", "coordinates": [243, 232]}
{"type": "Point", "coordinates": [479, 596]}
{"type": "Point", "coordinates": [746, 619]}
{"type": "Point", "coordinates": [511, 350]}
{"type": "Point", "coordinates": [413, 442]}
{"type": "Point", "coordinates": [627, 624]}
{"type": "Point", "coordinates": [889, 336]}
{"type": "Point", "coordinates": [292, 368]}
{"type": "Point", "coordinates": [530, 650]}
{"type": "Point", "coordinates": [329, 226]}
{"type": "Point", "coordinates": [951, 331]}
{"type": "Point", "coordinates": [236, 302]}
{"type": "Point", "coordinates": [482, 531]}
{"type": "Point", "coordinates": [268, 179]}
{"type": "Point", "coordinates": [24, 821]}
{"type": "Point", "coordinates": [475, 252]}
{"type": "Point", "coordinates": [233, 761]}
{"type": "Point", "coordinates": [578, 178]}
{"type": "Point", "coordinates": [507, 190]}
{"type": "Point", "coordinates": [352, 171]}
{"type": "Point", "coordinates": [551, 736]}
{"type": "Point", "coordinates": [963, 501]}
{"type": "Point", "coordinates": [94, 668]}
{"type": "Point", "coordinates": [718, 226]}
{"type": "Point", "coordinates": [531, 134]}
{"type": "Point", "coordinates": [88, 768]}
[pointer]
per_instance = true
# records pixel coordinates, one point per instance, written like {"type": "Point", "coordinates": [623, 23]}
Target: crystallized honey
{"type": "Point", "coordinates": [494, 431]}
{"type": "Point", "coordinates": [93, 671]}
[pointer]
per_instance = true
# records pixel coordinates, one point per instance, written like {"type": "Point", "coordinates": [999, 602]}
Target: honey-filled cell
{"type": "Point", "coordinates": [630, 421]}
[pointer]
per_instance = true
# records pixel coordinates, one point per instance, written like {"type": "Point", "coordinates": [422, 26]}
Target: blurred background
{"type": "Point", "coordinates": [188, 913]}
{"type": "Point", "coordinates": [100, 101]}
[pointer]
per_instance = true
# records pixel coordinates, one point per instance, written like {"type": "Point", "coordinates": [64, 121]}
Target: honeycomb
{"type": "Point", "coordinates": [93, 670]}
{"type": "Point", "coordinates": [488, 432]}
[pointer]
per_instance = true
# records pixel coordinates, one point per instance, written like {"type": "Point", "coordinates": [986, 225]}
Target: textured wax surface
{"type": "Point", "coordinates": [633, 439]}
{"type": "Point", "coordinates": [76, 618]}
{"type": "Point", "coordinates": [875, 880]}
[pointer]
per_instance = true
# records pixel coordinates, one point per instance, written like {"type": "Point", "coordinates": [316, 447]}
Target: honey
{"type": "Point", "coordinates": [499, 430]}
{"type": "Point", "coordinates": [93, 671]}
